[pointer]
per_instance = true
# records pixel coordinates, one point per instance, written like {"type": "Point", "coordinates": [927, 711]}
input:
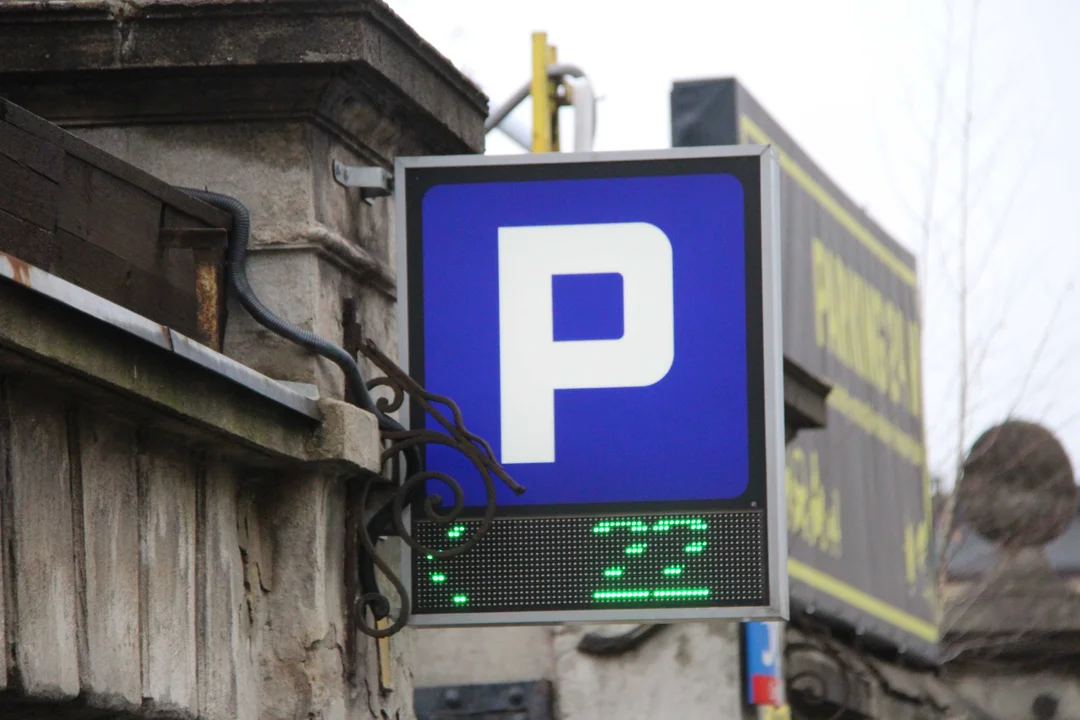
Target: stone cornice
{"type": "Point", "coordinates": [347, 255]}
{"type": "Point", "coordinates": [242, 52]}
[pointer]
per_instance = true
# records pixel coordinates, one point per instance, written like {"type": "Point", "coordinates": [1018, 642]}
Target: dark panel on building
{"type": "Point", "coordinates": [72, 210]}
{"type": "Point", "coordinates": [693, 107]}
{"type": "Point", "coordinates": [858, 491]}
{"type": "Point", "coordinates": [530, 700]}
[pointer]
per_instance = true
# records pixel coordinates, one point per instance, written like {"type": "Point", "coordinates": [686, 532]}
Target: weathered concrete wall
{"type": "Point", "coordinates": [172, 542]}
{"type": "Point", "coordinates": [459, 656]}
{"type": "Point", "coordinates": [128, 586]}
{"type": "Point", "coordinates": [313, 244]}
{"type": "Point", "coordinates": [256, 101]}
{"type": "Point", "coordinates": [690, 671]}
{"type": "Point", "coordinates": [1009, 696]}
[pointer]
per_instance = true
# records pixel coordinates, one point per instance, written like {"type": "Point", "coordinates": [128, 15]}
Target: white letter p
{"type": "Point", "coordinates": [533, 365]}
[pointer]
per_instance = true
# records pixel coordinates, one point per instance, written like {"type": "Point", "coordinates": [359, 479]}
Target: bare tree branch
{"type": "Point", "coordinates": [965, 190]}
{"type": "Point", "coordinates": [961, 434]}
{"type": "Point", "coordinates": [1041, 346]}
{"type": "Point", "coordinates": [934, 151]}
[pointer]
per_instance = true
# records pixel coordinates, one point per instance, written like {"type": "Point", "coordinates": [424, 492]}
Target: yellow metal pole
{"type": "Point", "coordinates": [541, 94]}
{"type": "Point", "coordinates": [545, 96]}
{"type": "Point", "coordinates": [553, 100]}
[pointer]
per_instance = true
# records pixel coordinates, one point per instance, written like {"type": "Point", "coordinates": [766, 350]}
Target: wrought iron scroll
{"type": "Point", "coordinates": [404, 445]}
{"type": "Point", "coordinates": [808, 690]}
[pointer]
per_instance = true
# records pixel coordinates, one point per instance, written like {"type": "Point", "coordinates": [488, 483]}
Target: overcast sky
{"type": "Point", "coordinates": [857, 85]}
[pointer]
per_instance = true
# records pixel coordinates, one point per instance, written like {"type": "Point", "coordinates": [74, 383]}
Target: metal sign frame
{"type": "Point", "coordinates": [776, 605]}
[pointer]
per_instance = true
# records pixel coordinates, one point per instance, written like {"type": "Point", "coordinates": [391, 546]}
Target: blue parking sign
{"type": "Point", "coordinates": [609, 323]}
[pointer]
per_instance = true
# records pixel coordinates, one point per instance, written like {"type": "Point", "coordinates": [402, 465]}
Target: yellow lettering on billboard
{"type": "Point", "coordinates": [875, 340]}
{"type": "Point", "coordinates": [866, 332]}
{"type": "Point", "coordinates": [916, 549]}
{"type": "Point", "coordinates": [797, 496]}
{"type": "Point", "coordinates": [915, 367]}
{"type": "Point", "coordinates": [822, 288]}
{"type": "Point", "coordinates": [813, 509]}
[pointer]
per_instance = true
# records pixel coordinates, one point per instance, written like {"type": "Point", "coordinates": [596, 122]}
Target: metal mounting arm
{"type": "Point", "coordinates": [373, 181]}
{"type": "Point", "coordinates": [581, 98]}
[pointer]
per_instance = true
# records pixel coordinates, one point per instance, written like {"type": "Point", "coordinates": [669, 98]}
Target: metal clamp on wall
{"type": "Point", "coordinates": [373, 181]}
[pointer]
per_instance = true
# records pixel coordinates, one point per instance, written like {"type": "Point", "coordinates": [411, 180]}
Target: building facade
{"type": "Point", "coordinates": [181, 485]}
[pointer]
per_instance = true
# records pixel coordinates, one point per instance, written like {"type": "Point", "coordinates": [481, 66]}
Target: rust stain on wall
{"type": "Point", "coordinates": [20, 270]}
{"type": "Point", "coordinates": [207, 294]}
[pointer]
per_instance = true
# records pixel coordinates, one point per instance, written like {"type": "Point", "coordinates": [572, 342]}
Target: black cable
{"type": "Point", "coordinates": [237, 273]}
{"type": "Point", "coordinates": [237, 269]}
{"type": "Point", "coordinates": [610, 645]}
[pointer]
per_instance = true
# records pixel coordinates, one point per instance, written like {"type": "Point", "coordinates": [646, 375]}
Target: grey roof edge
{"type": "Point", "coordinates": [61, 291]}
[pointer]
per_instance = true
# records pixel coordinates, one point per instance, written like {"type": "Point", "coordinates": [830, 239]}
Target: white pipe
{"type": "Point", "coordinates": [583, 100]}
{"type": "Point", "coordinates": [517, 131]}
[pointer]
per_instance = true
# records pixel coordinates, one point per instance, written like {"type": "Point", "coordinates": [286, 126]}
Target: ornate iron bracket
{"type": "Point", "coordinates": [398, 440]}
{"type": "Point", "coordinates": [403, 445]}
{"type": "Point", "coordinates": [810, 689]}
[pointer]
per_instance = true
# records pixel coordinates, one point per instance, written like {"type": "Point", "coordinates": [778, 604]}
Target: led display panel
{"type": "Point", "coordinates": [609, 323]}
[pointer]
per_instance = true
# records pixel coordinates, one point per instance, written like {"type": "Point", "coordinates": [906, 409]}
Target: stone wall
{"type": "Point", "coordinates": [235, 600]}
{"type": "Point", "coordinates": [1019, 696]}
{"type": "Point", "coordinates": [257, 102]}
{"type": "Point", "coordinates": [173, 541]}
{"type": "Point", "coordinates": [314, 243]}
{"type": "Point", "coordinates": [689, 671]}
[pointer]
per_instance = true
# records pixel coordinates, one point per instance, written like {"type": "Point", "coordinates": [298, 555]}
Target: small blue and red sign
{"type": "Point", "coordinates": [763, 676]}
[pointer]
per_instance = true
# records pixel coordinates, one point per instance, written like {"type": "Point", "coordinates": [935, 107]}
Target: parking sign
{"type": "Point", "coordinates": [610, 323]}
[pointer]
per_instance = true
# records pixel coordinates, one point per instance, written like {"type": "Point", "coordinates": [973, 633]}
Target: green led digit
{"type": "Point", "coordinates": [609, 525]}
{"type": "Point", "coordinates": [681, 593]}
{"type": "Point", "coordinates": [438, 578]}
{"type": "Point", "coordinates": [676, 593]}
{"type": "Point", "coordinates": [460, 599]}
{"type": "Point", "coordinates": [692, 523]}
{"type": "Point", "coordinates": [620, 594]}
{"type": "Point", "coordinates": [455, 532]}
{"type": "Point", "coordinates": [655, 562]}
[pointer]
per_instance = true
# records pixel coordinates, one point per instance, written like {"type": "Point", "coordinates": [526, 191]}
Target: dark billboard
{"type": "Point", "coordinates": [858, 492]}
